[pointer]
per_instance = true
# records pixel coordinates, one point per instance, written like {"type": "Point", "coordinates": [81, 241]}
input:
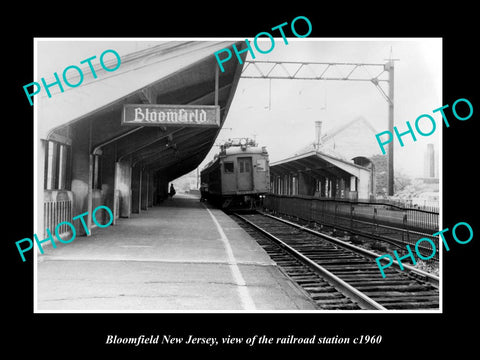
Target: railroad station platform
{"type": "Point", "coordinates": [180, 256]}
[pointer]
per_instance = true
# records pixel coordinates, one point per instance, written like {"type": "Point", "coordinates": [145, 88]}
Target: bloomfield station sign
{"type": "Point", "coordinates": [183, 115]}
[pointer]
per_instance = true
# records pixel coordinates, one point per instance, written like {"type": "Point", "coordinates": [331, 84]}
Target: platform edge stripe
{"type": "Point", "coordinates": [244, 294]}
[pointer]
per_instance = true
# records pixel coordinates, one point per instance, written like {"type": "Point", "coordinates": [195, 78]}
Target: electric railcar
{"type": "Point", "coordinates": [238, 177]}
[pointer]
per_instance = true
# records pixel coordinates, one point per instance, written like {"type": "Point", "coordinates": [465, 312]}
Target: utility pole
{"type": "Point", "coordinates": [391, 75]}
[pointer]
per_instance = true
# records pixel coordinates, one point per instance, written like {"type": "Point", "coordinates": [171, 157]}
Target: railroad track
{"type": "Point", "coordinates": [384, 234]}
{"type": "Point", "coordinates": [336, 274]}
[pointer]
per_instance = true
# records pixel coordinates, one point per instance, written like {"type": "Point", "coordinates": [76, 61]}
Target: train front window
{"type": "Point", "coordinates": [244, 165]}
{"type": "Point", "coordinates": [228, 167]}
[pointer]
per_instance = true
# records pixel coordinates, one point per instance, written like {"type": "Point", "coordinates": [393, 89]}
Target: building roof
{"type": "Point", "coordinates": [328, 140]}
{"type": "Point", "coordinates": [174, 72]}
{"type": "Point", "coordinates": [316, 161]}
{"type": "Point", "coordinates": [139, 70]}
{"type": "Point", "coordinates": [360, 119]}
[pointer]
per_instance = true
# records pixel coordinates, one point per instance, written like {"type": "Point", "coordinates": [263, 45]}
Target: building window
{"type": "Point", "coordinates": [56, 166]}
{"type": "Point", "coordinates": [228, 167]}
{"type": "Point", "coordinates": [97, 172]}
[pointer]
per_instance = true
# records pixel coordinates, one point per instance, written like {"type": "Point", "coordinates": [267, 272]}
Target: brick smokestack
{"type": "Point", "coordinates": [429, 169]}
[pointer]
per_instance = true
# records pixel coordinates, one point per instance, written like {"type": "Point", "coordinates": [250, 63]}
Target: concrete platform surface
{"type": "Point", "coordinates": [180, 256]}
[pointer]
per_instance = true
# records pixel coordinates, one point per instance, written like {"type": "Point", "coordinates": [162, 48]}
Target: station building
{"type": "Point", "coordinates": [335, 165]}
{"type": "Point", "coordinates": [88, 155]}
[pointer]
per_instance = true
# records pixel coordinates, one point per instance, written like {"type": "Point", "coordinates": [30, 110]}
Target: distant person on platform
{"type": "Point", "coordinates": [172, 191]}
{"type": "Point", "coordinates": [203, 192]}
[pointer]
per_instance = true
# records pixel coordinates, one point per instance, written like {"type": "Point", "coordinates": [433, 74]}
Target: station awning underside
{"type": "Point", "coordinates": [315, 163]}
{"type": "Point", "coordinates": [173, 72]}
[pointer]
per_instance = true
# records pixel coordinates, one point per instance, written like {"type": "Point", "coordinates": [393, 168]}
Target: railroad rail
{"type": "Point", "coordinates": [383, 222]}
{"type": "Point", "coordinates": [336, 274]}
{"type": "Point", "coordinates": [380, 234]}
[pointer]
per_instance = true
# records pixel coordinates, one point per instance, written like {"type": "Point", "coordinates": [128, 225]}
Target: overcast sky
{"type": "Point", "coordinates": [283, 119]}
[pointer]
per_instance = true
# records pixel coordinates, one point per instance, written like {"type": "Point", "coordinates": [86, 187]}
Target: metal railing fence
{"type": "Point", "coordinates": [395, 224]}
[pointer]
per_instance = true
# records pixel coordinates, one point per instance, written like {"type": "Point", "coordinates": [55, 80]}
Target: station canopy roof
{"type": "Point", "coordinates": [318, 163]}
{"type": "Point", "coordinates": [173, 72]}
